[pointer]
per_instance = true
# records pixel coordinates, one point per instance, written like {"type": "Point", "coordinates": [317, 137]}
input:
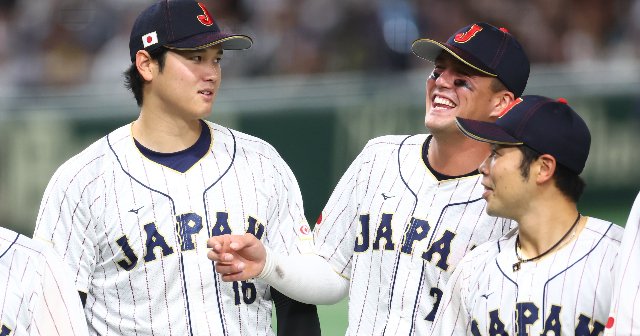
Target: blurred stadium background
{"type": "Point", "coordinates": [322, 78]}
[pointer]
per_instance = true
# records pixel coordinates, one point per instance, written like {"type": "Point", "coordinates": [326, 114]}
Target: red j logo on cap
{"type": "Point", "coordinates": [465, 37]}
{"type": "Point", "coordinates": [206, 18]}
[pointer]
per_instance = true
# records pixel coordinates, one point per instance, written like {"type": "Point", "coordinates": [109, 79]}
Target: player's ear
{"type": "Point", "coordinates": [144, 64]}
{"type": "Point", "coordinates": [500, 101]}
{"type": "Point", "coordinates": [545, 168]}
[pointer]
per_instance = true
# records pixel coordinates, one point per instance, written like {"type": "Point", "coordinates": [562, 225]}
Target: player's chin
{"type": "Point", "coordinates": [494, 209]}
{"type": "Point", "coordinates": [490, 205]}
{"type": "Point", "coordinates": [202, 105]}
{"type": "Point", "coordinates": [491, 212]}
{"type": "Point", "coordinates": [438, 116]}
{"type": "Point", "coordinates": [202, 113]}
{"type": "Point", "coordinates": [440, 122]}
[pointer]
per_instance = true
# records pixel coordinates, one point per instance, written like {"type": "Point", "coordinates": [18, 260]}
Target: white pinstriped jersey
{"type": "Point", "coordinates": [625, 306]}
{"type": "Point", "coordinates": [134, 233]}
{"type": "Point", "coordinates": [565, 293]}
{"type": "Point", "coordinates": [37, 296]}
{"type": "Point", "coordinates": [398, 233]}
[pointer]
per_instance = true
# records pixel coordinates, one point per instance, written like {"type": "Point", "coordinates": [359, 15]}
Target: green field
{"type": "Point", "coordinates": [333, 319]}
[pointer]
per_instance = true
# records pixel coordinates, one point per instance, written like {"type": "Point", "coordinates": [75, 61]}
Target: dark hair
{"type": "Point", "coordinates": [497, 85]}
{"type": "Point", "coordinates": [567, 181]}
{"type": "Point", "coordinates": [134, 81]}
{"type": "Point", "coordinates": [528, 156]}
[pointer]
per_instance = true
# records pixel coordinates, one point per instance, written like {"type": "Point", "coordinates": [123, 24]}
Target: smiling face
{"type": "Point", "coordinates": [187, 85]}
{"type": "Point", "coordinates": [456, 90]}
{"type": "Point", "coordinates": [506, 189]}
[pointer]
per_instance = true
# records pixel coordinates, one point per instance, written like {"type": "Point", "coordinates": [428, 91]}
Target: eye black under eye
{"type": "Point", "coordinates": [461, 83]}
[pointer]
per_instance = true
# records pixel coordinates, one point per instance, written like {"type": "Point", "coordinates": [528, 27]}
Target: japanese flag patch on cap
{"type": "Point", "coordinates": [149, 39]}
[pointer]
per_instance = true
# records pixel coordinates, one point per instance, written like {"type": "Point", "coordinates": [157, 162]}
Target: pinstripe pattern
{"type": "Point", "coordinates": [575, 281]}
{"type": "Point", "coordinates": [135, 232]}
{"type": "Point", "coordinates": [625, 305]}
{"type": "Point", "coordinates": [393, 291]}
{"type": "Point", "coordinates": [36, 293]}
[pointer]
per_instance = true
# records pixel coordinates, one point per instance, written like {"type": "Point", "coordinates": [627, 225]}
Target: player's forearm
{"type": "Point", "coordinates": [306, 278]}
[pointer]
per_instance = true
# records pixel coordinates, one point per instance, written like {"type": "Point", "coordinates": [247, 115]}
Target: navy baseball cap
{"type": "Point", "coordinates": [183, 25]}
{"type": "Point", "coordinates": [547, 126]}
{"type": "Point", "coordinates": [485, 48]}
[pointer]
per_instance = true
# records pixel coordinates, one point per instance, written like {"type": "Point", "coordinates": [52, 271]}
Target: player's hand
{"type": "Point", "coordinates": [237, 257]}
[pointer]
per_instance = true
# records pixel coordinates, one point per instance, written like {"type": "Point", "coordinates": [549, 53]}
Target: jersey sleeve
{"type": "Point", "coordinates": [625, 304]}
{"type": "Point", "coordinates": [288, 229]}
{"type": "Point", "coordinates": [335, 232]}
{"type": "Point", "coordinates": [65, 221]}
{"type": "Point", "coordinates": [58, 310]}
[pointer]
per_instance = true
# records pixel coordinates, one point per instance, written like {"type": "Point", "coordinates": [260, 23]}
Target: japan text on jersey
{"type": "Point", "coordinates": [567, 293]}
{"type": "Point", "coordinates": [398, 233]}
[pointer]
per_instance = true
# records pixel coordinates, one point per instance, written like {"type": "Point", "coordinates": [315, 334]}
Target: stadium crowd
{"type": "Point", "coordinates": [74, 42]}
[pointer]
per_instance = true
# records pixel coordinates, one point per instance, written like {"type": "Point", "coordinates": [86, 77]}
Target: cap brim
{"type": "Point", "coordinates": [430, 49]}
{"type": "Point", "coordinates": [225, 40]}
{"type": "Point", "coordinates": [486, 132]}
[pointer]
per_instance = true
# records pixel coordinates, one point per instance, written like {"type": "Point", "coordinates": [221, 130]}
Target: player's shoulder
{"type": "Point", "coordinates": [26, 261]}
{"type": "Point", "coordinates": [603, 230]}
{"type": "Point", "coordinates": [250, 144]}
{"type": "Point", "coordinates": [21, 247]}
{"type": "Point", "coordinates": [392, 143]}
{"type": "Point", "coordinates": [92, 159]}
{"type": "Point", "coordinates": [397, 140]}
{"type": "Point", "coordinates": [635, 208]}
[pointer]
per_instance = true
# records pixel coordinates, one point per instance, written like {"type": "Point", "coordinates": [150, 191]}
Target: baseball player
{"type": "Point", "coordinates": [552, 273]}
{"type": "Point", "coordinates": [409, 207]}
{"type": "Point", "coordinates": [625, 304]}
{"type": "Point", "coordinates": [131, 213]}
{"type": "Point", "coordinates": [36, 293]}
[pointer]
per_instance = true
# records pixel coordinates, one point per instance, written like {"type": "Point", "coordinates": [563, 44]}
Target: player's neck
{"type": "Point", "coordinates": [456, 155]}
{"type": "Point", "coordinates": [164, 134]}
{"type": "Point", "coordinates": [546, 221]}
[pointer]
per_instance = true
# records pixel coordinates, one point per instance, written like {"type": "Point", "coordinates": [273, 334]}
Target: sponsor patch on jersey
{"type": "Point", "coordinates": [305, 229]}
{"type": "Point", "coordinates": [610, 322]}
{"type": "Point", "coordinates": [149, 39]}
